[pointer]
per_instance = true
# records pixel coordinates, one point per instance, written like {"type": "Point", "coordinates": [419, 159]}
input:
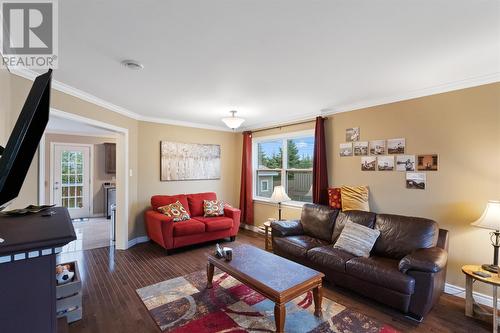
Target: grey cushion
{"type": "Point", "coordinates": [357, 239]}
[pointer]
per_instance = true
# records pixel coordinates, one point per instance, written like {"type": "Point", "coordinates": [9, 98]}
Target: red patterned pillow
{"type": "Point", "coordinates": [334, 198]}
{"type": "Point", "coordinates": [213, 208]}
{"type": "Point", "coordinates": [175, 210]}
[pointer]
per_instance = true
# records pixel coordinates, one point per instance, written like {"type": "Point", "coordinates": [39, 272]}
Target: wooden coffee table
{"type": "Point", "coordinates": [277, 278]}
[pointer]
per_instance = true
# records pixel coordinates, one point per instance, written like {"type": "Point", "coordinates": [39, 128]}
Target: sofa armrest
{"type": "Point", "coordinates": [431, 260]}
{"type": "Point", "coordinates": [286, 228]}
{"type": "Point", "coordinates": [159, 228]}
{"type": "Point", "coordinates": [235, 215]}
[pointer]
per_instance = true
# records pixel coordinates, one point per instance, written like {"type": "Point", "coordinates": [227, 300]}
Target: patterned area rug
{"type": "Point", "coordinates": [184, 304]}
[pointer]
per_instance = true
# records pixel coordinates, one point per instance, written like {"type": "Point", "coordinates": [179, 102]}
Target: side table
{"type": "Point", "coordinates": [266, 227]}
{"type": "Point", "coordinates": [493, 280]}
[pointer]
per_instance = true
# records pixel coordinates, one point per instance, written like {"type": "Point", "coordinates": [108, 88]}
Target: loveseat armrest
{"type": "Point", "coordinates": [159, 228]}
{"type": "Point", "coordinates": [235, 215]}
{"type": "Point", "coordinates": [431, 260]}
{"type": "Point", "coordinates": [286, 228]}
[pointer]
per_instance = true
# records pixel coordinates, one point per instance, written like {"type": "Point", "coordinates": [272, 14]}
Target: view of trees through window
{"type": "Point", "coordinates": [288, 162]}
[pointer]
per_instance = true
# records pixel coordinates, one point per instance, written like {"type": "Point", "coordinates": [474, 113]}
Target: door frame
{"type": "Point", "coordinates": [123, 173]}
{"type": "Point", "coordinates": [91, 171]}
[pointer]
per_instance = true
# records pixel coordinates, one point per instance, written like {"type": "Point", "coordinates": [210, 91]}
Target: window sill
{"type": "Point", "coordinates": [292, 204]}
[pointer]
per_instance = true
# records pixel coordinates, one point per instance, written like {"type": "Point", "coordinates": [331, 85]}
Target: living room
{"type": "Point", "coordinates": [391, 109]}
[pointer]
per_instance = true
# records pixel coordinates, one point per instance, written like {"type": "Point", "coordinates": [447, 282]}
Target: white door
{"type": "Point", "coordinates": [71, 179]}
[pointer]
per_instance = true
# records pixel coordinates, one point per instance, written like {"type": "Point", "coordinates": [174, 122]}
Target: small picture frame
{"type": "Point", "coordinates": [377, 147]}
{"type": "Point", "coordinates": [360, 148]}
{"type": "Point", "coordinates": [405, 163]}
{"type": "Point", "coordinates": [345, 149]}
{"type": "Point", "coordinates": [416, 180]}
{"type": "Point", "coordinates": [396, 146]}
{"type": "Point", "coordinates": [352, 134]}
{"type": "Point", "coordinates": [368, 163]}
{"type": "Point", "coordinates": [385, 163]}
{"type": "Point", "coordinates": [427, 162]}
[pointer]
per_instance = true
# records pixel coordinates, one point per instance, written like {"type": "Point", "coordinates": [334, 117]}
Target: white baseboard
{"type": "Point", "coordinates": [460, 292]}
{"type": "Point", "coordinates": [138, 240]}
{"type": "Point", "coordinates": [250, 227]}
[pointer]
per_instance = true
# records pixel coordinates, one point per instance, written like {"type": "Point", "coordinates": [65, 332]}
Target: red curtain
{"type": "Point", "coordinates": [246, 199]}
{"type": "Point", "coordinates": [320, 170]}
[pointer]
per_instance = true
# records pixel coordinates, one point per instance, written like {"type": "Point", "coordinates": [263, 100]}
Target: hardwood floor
{"type": "Point", "coordinates": [110, 278]}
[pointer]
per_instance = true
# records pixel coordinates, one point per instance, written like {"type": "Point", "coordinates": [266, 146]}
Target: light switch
{"type": "Point", "coordinates": [130, 172]}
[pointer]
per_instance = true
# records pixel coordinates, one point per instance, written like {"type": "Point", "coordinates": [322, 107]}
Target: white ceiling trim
{"type": "Point", "coordinates": [457, 85]}
{"type": "Point", "coordinates": [463, 84]}
{"type": "Point", "coordinates": [59, 132]}
{"type": "Point", "coordinates": [62, 87]}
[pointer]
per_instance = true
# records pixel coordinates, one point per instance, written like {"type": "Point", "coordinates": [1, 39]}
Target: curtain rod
{"type": "Point", "coordinates": [286, 125]}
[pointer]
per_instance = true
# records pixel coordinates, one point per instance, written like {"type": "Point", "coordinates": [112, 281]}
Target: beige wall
{"type": "Point", "coordinates": [150, 135]}
{"type": "Point", "coordinates": [5, 99]}
{"type": "Point", "coordinates": [99, 175]}
{"type": "Point", "coordinates": [463, 127]}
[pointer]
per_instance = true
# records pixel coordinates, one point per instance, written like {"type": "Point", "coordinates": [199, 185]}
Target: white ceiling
{"type": "Point", "coordinates": [273, 60]}
{"type": "Point", "coordinates": [67, 126]}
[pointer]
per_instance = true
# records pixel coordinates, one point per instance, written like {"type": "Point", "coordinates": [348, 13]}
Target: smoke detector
{"type": "Point", "coordinates": [132, 65]}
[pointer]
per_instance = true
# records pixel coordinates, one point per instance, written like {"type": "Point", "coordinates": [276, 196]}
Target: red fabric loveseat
{"type": "Point", "coordinates": [198, 229]}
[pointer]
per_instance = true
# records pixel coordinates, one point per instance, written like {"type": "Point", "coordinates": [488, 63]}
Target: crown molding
{"type": "Point", "coordinates": [438, 89]}
{"type": "Point", "coordinates": [93, 135]}
{"type": "Point", "coordinates": [67, 89]}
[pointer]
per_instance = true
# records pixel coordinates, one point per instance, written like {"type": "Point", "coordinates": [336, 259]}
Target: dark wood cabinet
{"type": "Point", "coordinates": [110, 157]}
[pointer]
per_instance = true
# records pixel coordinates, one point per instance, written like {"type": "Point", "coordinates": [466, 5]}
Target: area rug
{"type": "Point", "coordinates": [184, 304]}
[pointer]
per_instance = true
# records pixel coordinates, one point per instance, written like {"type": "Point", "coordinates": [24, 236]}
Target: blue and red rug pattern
{"type": "Point", "coordinates": [184, 304]}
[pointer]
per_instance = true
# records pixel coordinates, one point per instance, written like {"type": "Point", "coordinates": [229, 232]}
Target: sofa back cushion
{"type": "Point", "coordinates": [401, 235]}
{"type": "Point", "coordinates": [163, 200]}
{"type": "Point", "coordinates": [196, 202]}
{"type": "Point", "coordinates": [366, 219]}
{"type": "Point", "coordinates": [318, 221]}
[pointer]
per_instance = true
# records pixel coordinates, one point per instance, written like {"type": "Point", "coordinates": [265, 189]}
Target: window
{"type": "Point", "coordinates": [286, 161]}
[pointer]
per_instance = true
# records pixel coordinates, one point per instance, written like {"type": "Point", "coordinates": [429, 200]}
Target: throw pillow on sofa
{"type": "Point", "coordinates": [354, 198]}
{"type": "Point", "coordinates": [175, 210]}
{"type": "Point", "coordinates": [357, 239]}
{"type": "Point", "coordinates": [213, 208]}
{"type": "Point", "coordinates": [334, 197]}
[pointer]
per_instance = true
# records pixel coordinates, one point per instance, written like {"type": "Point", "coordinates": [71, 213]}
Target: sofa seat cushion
{"type": "Point", "coordinates": [381, 271]}
{"type": "Point", "coordinates": [297, 245]}
{"type": "Point", "coordinates": [328, 258]}
{"type": "Point", "coordinates": [217, 223]}
{"type": "Point", "coordinates": [189, 227]}
{"type": "Point", "coordinates": [196, 202]}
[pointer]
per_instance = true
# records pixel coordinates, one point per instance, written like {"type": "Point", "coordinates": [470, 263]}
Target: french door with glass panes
{"type": "Point", "coordinates": [71, 179]}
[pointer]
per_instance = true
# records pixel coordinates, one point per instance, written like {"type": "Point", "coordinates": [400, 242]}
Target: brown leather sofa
{"type": "Point", "coordinates": [406, 268]}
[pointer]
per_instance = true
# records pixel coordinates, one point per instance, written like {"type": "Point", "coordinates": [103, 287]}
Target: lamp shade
{"type": "Point", "coordinates": [490, 218]}
{"type": "Point", "coordinates": [233, 122]}
{"type": "Point", "coordinates": [279, 194]}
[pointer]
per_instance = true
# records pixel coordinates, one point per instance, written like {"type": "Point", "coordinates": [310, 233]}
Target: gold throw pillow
{"type": "Point", "coordinates": [354, 198]}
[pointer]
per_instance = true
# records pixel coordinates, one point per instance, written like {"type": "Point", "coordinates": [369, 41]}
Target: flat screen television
{"type": "Point", "coordinates": [23, 142]}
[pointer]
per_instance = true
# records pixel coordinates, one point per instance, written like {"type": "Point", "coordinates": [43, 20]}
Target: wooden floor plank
{"type": "Point", "coordinates": [110, 278]}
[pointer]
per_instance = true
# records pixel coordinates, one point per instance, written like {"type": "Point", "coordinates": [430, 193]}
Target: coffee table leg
{"type": "Point", "coordinates": [279, 317]}
{"type": "Point", "coordinates": [318, 298]}
{"type": "Point", "coordinates": [210, 275]}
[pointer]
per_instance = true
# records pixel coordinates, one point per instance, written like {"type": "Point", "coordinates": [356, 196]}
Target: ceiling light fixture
{"type": "Point", "coordinates": [233, 122]}
{"type": "Point", "coordinates": [132, 65]}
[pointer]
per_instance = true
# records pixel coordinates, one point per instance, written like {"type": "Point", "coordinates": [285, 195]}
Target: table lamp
{"type": "Point", "coordinates": [491, 220]}
{"type": "Point", "coordinates": [279, 196]}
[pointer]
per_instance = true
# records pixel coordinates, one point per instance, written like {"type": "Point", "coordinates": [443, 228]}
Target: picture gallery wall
{"type": "Point", "coordinates": [389, 155]}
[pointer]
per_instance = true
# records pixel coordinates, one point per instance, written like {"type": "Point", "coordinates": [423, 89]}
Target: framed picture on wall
{"type": "Point", "coordinates": [416, 180]}
{"type": "Point", "coordinates": [352, 134]}
{"type": "Point", "coordinates": [385, 163]}
{"type": "Point", "coordinates": [368, 163]}
{"type": "Point", "coordinates": [396, 146]}
{"type": "Point", "coordinates": [405, 163]}
{"type": "Point", "coordinates": [360, 148]}
{"type": "Point", "coordinates": [427, 162]}
{"type": "Point", "coordinates": [346, 149]}
{"type": "Point", "coordinates": [377, 147]}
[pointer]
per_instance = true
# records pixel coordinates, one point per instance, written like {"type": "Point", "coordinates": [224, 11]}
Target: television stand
{"type": "Point", "coordinates": [27, 269]}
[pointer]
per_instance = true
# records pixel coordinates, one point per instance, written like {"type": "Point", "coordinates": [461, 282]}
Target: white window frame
{"type": "Point", "coordinates": [284, 167]}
